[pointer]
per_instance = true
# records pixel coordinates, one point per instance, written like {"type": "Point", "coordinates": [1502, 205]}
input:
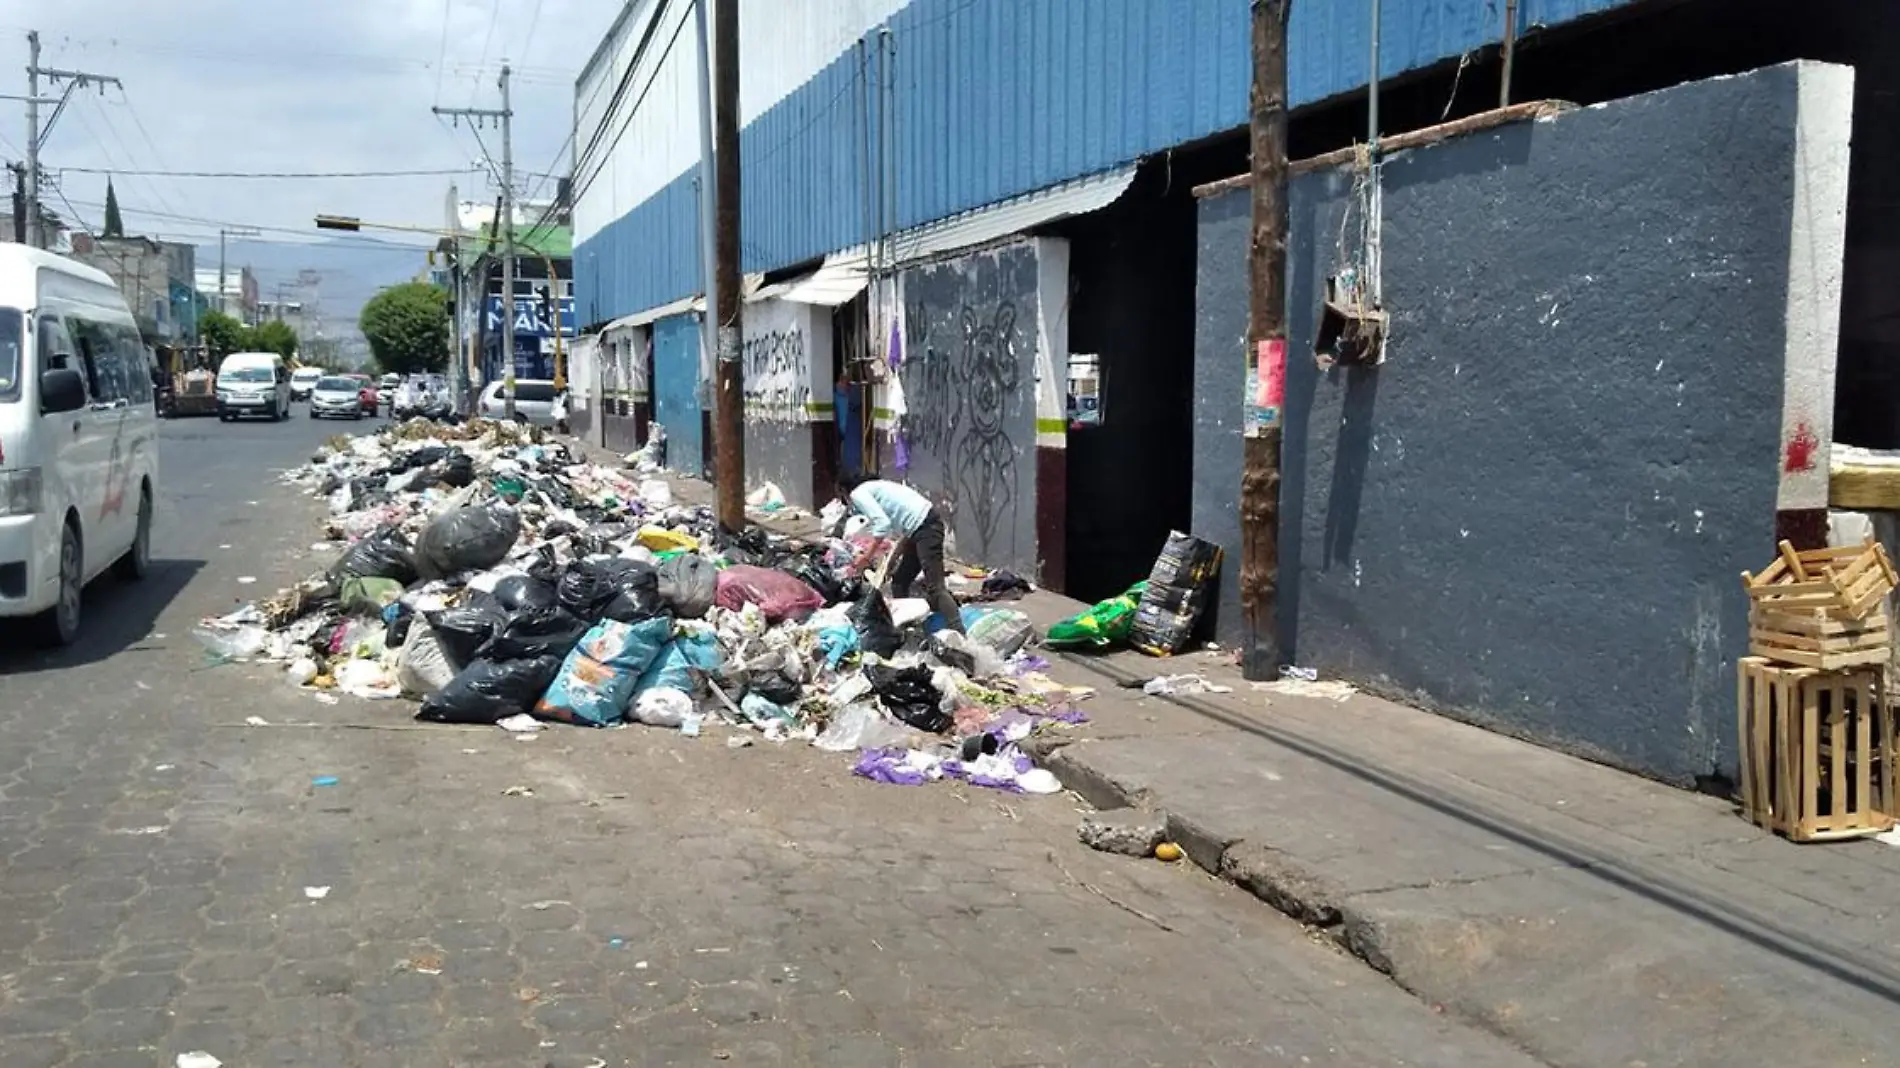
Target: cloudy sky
{"type": "Point", "coordinates": [294, 86]}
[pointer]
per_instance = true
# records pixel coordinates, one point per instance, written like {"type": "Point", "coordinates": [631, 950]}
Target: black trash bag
{"type": "Point", "coordinates": [542, 567]}
{"type": "Point", "coordinates": [602, 538]}
{"type": "Point", "coordinates": [907, 694]}
{"type": "Point", "coordinates": [776, 688]}
{"type": "Point", "coordinates": [457, 470]}
{"type": "Point", "coordinates": [422, 457]}
{"type": "Point", "coordinates": [470, 538]}
{"type": "Point", "coordinates": [463, 630]}
{"type": "Point", "coordinates": [488, 691]}
{"type": "Point", "coordinates": [815, 575]}
{"type": "Point", "coordinates": [624, 590]}
{"type": "Point", "coordinates": [961, 659]}
{"type": "Point", "coordinates": [519, 592]}
{"type": "Point", "coordinates": [396, 630]}
{"type": "Point", "coordinates": [688, 583]}
{"type": "Point", "coordinates": [383, 554]}
{"type": "Point", "coordinates": [872, 619]}
{"type": "Point", "coordinates": [535, 632]}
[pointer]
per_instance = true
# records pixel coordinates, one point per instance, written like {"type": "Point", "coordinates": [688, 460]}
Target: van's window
{"type": "Point", "coordinates": [249, 374]}
{"type": "Point", "coordinates": [57, 351]}
{"type": "Point", "coordinates": [12, 342]}
{"type": "Point", "coordinates": [533, 392]}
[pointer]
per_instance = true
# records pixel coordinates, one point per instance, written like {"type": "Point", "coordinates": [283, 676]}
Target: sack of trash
{"type": "Point", "coordinates": [383, 554]}
{"type": "Point", "coordinates": [596, 682]}
{"type": "Point", "coordinates": [1102, 625]}
{"type": "Point", "coordinates": [778, 595]}
{"type": "Point", "coordinates": [908, 694]}
{"type": "Point", "coordinates": [517, 593]}
{"type": "Point", "coordinates": [1004, 630]}
{"type": "Point", "coordinates": [1178, 590]}
{"type": "Point", "coordinates": [488, 691]}
{"type": "Point", "coordinates": [611, 588]}
{"type": "Point", "coordinates": [872, 619]}
{"type": "Point", "coordinates": [674, 668]}
{"type": "Point", "coordinates": [463, 630]}
{"type": "Point", "coordinates": [689, 584]}
{"type": "Point", "coordinates": [535, 632]}
{"type": "Point", "coordinates": [469, 538]}
{"type": "Point", "coordinates": [423, 668]}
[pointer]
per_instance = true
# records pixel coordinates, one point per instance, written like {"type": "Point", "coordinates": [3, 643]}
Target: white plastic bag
{"type": "Point", "coordinates": [234, 641]}
{"type": "Point", "coordinates": [831, 515]}
{"type": "Point", "coordinates": [908, 610]}
{"type": "Point", "coordinates": [301, 671]}
{"type": "Point", "coordinates": [423, 668]}
{"type": "Point", "coordinates": [663, 706]}
{"type": "Point", "coordinates": [655, 493]}
{"type": "Point", "coordinates": [766, 496]}
{"type": "Point", "coordinates": [863, 726]}
{"type": "Point", "coordinates": [366, 678]}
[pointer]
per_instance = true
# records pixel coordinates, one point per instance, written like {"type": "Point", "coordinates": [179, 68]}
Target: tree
{"type": "Point", "coordinates": [408, 328]}
{"type": "Point", "coordinates": [221, 333]}
{"type": "Point", "coordinates": [115, 224]}
{"type": "Point", "coordinates": [273, 335]}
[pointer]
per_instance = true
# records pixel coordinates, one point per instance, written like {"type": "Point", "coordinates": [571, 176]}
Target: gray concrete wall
{"type": "Point", "coordinates": [1532, 516]}
{"type": "Point", "coordinates": [787, 358]}
{"type": "Point", "coordinates": [969, 378]}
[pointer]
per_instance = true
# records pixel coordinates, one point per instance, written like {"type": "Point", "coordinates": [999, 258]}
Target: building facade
{"type": "Point", "coordinates": [155, 277]}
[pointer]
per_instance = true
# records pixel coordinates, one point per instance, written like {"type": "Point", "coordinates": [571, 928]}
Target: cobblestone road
{"type": "Point", "coordinates": [655, 900]}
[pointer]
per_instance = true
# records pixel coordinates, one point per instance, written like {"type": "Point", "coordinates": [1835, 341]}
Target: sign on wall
{"type": "Point", "coordinates": [528, 316]}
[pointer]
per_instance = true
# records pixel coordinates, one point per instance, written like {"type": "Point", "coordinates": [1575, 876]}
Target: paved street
{"type": "Point", "coordinates": [655, 900]}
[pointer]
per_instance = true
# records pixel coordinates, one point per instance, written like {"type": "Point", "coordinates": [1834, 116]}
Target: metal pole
{"type": "Point", "coordinates": [1372, 83]}
{"type": "Point", "coordinates": [33, 138]}
{"type": "Point", "coordinates": [508, 248]}
{"type": "Point", "coordinates": [709, 275]}
{"type": "Point", "coordinates": [729, 418]}
{"type": "Point", "coordinates": [1266, 334]}
{"type": "Point", "coordinates": [221, 282]}
{"type": "Point", "coordinates": [1510, 52]}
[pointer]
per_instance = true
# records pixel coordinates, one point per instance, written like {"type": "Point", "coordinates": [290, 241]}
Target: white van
{"type": "Point", "coordinates": [78, 438]}
{"type": "Point", "coordinates": [303, 381]}
{"type": "Point", "coordinates": [253, 383]}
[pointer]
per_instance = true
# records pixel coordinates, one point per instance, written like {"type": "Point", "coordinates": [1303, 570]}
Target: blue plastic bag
{"type": "Point", "coordinates": [838, 642]}
{"type": "Point", "coordinates": [673, 668]}
{"type": "Point", "coordinates": [598, 678]}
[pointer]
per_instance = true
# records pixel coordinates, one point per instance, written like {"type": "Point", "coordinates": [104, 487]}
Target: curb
{"type": "Point", "coordinates": [1295, 889]}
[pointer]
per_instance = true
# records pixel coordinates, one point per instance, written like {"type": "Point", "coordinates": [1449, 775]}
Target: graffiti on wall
{"type": "Point", "coordinates": [969, 420]}
{"type": "Point", "coordinates": [777, 375]}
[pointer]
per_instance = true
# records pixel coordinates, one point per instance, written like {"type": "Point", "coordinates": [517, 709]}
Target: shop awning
{"type": "Point", "coordinates": [997, 221]}
{"type": "Point", "coordinates": [840, 278]}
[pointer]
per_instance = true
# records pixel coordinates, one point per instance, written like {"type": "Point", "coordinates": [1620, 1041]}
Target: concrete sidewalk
{"type": "Point", "coordinates": [1590, 917]}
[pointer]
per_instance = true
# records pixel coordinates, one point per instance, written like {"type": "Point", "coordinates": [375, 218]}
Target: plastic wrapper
{"type": "Point", "coordinates": [535, 632]}
{"type": "Point", "coordinates": [966, 654]}
{"type": "Point", "coordinates": [871, 617]}
{"type": "Point", "coordinates": [1178, 590]}
{"type": "Point", "coordinates": [778, 595]}
{"type": "Point", "coordinates": [863, 725]}
{"type": "Point", "coordinates": [488, 691]}
{"type": "Point", "coordinates": [367, 678]}
{"type": "Point", "coordinates": [661, 540]}
{"type": "Point", "coordinates": [689, 584]}
{"type": "Point", "coordinates": [776, 676]}
{"type": "Point", "coordinates": [1004, 630]}
{"type": "Point", "coordinates": [424, 667]}
{"type": "Point", "coordinates": [1186, 561]}
{"type": "Point", "coordinates": [383, 554]}
{"type": "Point", "coordinates": [468, 538]}
{"type": "Point", "coordinates": [596, 682]}
{"type": "Point", "coordinates": [235, 642]}
{"type": "Point", "coordinates": [1104, 624]}
{"type": "Point", "coordinates": [908, 694]}
{"type": "Point", "coordinates": [368, 595]}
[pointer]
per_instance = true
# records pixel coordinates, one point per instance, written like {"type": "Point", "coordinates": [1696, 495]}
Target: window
{"type": "Point", "coordinates": [532, 392]}
{"type": "Point", "coordinates": [12, 342]}
{"type": "Point", "coordinates": [57, 351]}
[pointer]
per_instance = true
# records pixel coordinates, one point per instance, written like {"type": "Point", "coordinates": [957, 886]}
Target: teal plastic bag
{"type": "Point", "coordinates": [678, 659]}
{"type": "Point", "coordinates": [598, 678]}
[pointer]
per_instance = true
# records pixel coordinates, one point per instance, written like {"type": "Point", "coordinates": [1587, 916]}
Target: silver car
{"type": "Point", "coordinates": [534, 402]}
{"type": "Point", "coordinates": [336, 397]}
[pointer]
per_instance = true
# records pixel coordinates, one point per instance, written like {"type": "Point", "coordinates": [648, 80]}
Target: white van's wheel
{"type": "Point", "coordinates": [59, 625]}
{"type": "Point", "coordinates": [137, 561]}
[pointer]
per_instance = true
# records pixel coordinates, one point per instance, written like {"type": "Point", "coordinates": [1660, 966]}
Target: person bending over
{"type": "Point", "coordinates": [896, 510]}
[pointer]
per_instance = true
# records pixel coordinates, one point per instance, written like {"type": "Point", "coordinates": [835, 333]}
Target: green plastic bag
{"type": "Point", "coordinates": [359, 594]}
{"type": "Point", "coordinates": [1103, 625]}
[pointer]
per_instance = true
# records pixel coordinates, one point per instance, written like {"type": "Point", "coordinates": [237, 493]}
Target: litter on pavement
{"type": "Point", "coordinates": [490, 574]}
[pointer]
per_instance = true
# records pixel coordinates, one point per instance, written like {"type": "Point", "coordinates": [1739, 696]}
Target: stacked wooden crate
{"type": "Point", "coordinates": [1815, 723]}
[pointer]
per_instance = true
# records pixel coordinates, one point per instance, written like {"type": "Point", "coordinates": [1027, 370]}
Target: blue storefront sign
{"type": "Point", "coordinates": [529, 319]}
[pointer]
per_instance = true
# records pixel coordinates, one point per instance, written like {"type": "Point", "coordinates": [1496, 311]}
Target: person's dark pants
{"type": "Point", "coordinates": [923, 563]}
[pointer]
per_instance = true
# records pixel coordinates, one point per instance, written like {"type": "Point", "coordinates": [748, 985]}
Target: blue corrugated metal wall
{"type": "Point", "coordinates": [676, 392]}
{"type": "Point", "coordinates": [994, 98]}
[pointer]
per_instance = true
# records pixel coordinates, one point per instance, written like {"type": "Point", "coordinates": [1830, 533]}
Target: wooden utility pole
{"type": "Point", "coordinates": [1266, 344]}
{"type": "Point", "coordinates": [728, 371]}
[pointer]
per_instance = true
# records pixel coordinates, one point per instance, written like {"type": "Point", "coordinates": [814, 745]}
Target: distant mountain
{"type": "Point", "coordinates": [350, 272]}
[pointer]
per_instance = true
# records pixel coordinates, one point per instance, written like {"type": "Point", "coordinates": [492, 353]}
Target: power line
{"type": "Point", "coordinates": [534, 23]}
{"type": "Point", "coordinates": [439, 172]}
{"type": "Point", "coordinates": [385, 62]}
{"type": "Point", "coordinates": [494, 15]}
{"type": "Point", "coordinates": [631, 112]}
{"type": "Point", "coordinates": [442, 52]}
{"type": "Point", "coordinates": [355, 242]}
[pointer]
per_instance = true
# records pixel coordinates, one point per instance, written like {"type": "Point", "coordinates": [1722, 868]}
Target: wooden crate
{"type": "Point", "coordinates": [1816, 640]}
{"type": "Point", "coordinates": [1817, 750]}
{"type": "Point", "coordinates": [1851, 582]}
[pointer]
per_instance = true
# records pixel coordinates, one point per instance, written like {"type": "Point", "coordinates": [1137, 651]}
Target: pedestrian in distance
{"type": "Point", "coordinates": [896, 510]}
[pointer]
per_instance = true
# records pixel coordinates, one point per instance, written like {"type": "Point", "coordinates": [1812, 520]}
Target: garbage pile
{"type": "Point", "coordinates": [488, 572]}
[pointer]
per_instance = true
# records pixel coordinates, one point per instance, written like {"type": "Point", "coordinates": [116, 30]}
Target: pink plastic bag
{"type": "Point", "coordinates": [778, 595]}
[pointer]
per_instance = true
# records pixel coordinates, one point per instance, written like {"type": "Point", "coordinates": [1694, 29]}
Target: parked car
{"type": "Point", "coordinates": [303, 380]}
{"type": "Point", "coordinates": [534, 402]}
{"type": "Point", "coordinates": [389, 383]}
{"type": "Point", "coordinates": [336, 397]}
{"type": "Point", "coordinates": [366, 393]}
{"type": "Point", "coordinates": [253, 383]}
{"type": "Point", "coordinates": [78, 438]}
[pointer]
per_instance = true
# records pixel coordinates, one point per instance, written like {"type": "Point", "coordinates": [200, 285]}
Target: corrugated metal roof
{"type": "Point", "coordinates": [841, 277]}
{"type": "Point", "coordinates": [684, 304]}
{"type": "Point", "coordinates": [1013, 216]}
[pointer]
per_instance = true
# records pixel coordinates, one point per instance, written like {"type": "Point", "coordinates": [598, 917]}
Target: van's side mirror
{"type": "Point", "coordinates": [62, 390]}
